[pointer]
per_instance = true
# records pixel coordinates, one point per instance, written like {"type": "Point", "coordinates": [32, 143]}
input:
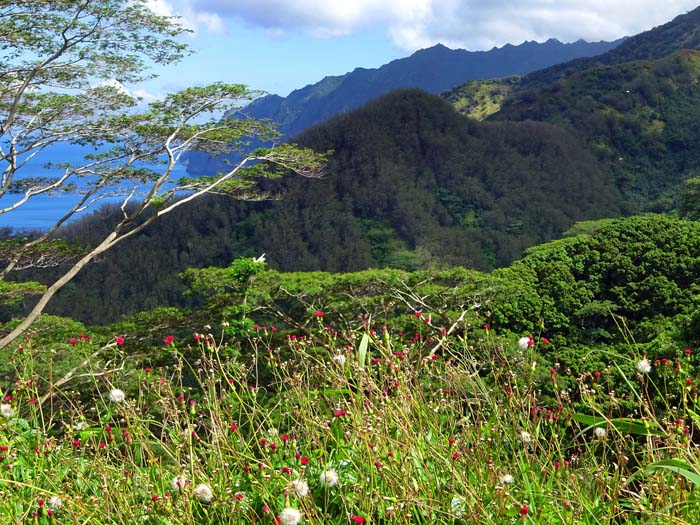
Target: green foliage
{"type": "Point", "coordinates": [480, 99]}
{"type": "Point", "coordinates": [642, 269]}
{"type": "Point", "coordinates": [636, 117]}
{"type": "Point", "coordinates": [690, 199]}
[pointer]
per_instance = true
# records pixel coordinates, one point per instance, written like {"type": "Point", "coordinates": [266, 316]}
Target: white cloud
{"type": "Point", "coordinates": [412, 24]}
{"type": "Point", "coordinates": [190, 17]}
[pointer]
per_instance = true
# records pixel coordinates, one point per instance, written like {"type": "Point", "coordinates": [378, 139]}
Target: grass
{"type": "Point", "coordinates": [364, 427]}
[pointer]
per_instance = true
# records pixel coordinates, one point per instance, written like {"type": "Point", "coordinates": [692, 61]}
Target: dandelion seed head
{"type": "Point", "coordinates": [299, 488]}
{"type": "Point", "coordinates": [6, 410]}
{"type": "Point", "coordinates": [116, 395]}
{"type": "Point", "coordinates": [203, 493]}
{"type": "Point", "coordinates": [328, 478]}
{"type": "Point", "coordinates": [505, 479]}
{"type": "Point", "coordinates": [179, 482]}
{"type": "Point", "coordinates": [644, 366]}
{"type": "Point", "coordinates": [340, 359]}
{"type": "Point", "coordinates": [290, 516]}
{"type": "Point", "coordinates": [600, 433]}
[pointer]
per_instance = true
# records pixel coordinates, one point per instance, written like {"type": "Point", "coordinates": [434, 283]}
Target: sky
{"type": "Point", "coordinates": [281, 45]}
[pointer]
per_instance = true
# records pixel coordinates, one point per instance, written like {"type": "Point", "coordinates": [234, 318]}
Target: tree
{"type": "Point", "coordinates": [690, 199]}
{"type": "Point", "coordinates": [61, 72]}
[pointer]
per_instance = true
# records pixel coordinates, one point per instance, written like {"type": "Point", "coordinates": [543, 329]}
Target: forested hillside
{"type": "Point", "coordinates": [411, 184]}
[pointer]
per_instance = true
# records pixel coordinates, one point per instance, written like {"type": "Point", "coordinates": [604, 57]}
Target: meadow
{"type": "Point", "coordinates": [450, 424]}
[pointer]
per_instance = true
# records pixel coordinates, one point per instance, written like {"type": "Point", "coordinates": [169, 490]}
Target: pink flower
{"type": "Point", "coordinates": [318, 314]}
{"type": "Point", "coordinates": [168, 339]}
{"type": "Point", "coordinates": [120, 340]}
{"type": "Point", "coordinates": [340, 413]}
{"type": "Point", "coordinates": [357, 519]}
{"type": "Point", "coordinates": [73, 341]}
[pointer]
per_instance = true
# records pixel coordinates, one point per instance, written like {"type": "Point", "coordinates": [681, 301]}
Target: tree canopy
{"type": "Point", "coordinates": [61, 78]}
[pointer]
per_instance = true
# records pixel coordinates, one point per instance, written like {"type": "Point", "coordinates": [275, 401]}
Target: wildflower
{"type": "Point", "coordinates": [6, 410]}
{"type": "Point", "coordinates": [505, 479]}
{"type": "Point", "coordinates": [55, 502]}
{"type": "Point", "coordinates": [299, 487]}
{"type": "Point", "coordinates": [73, 341]}
{"type": "Point", "coordinates": [357, 519]}
{"type": "Point", "coordinates": [524, 342]}
{"type": "Point", "coordinates": [318, 314]}
{"type": "Point", "coordinates": [600, 433]}
{"type": "Point", "coordinates": [168, 340]}
{"type": "Point", "coordinates": [644, 366]}
{"type": "Point", "coordinates": [116, 395]}
{"type": "Point", "coordinates": [179, 482]}
{"type": "Point", "coordinates": [328, 478]}
{"type": "Point", "coordinates": [203, 493]}
{"type": "Point", "coordinates": [524, 510]}
{"type": "Point", "coordinates": [525, 438]}
{"type": "Point", "coordinates": [290, 516]}
{"type": "Point", "coordinates": [340, 359]}
{"type": "Point", "coordinates": [120, 340]}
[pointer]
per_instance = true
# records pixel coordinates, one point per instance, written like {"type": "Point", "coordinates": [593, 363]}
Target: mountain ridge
{"type": "Point", "coordinates": [341, 93]}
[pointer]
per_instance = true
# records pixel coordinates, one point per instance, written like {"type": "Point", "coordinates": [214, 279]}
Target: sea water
{"type": "Point", "coordinates": [42, 211]}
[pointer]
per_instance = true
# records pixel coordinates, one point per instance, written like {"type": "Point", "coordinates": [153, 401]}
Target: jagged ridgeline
{"type": "Point", "coordinates": [683, 32]}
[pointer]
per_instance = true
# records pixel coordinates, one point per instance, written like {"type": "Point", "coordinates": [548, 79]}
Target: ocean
{"type": "Point", "coordinates": [41, 212]}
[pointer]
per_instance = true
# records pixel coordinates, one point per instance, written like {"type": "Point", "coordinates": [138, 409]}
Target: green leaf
{"type": "Point", "coordinates": [362, 351]}
{"type": "Point", "coordinates": [624, 425]}
{"type": "Point", "coordinates": [679, 467]}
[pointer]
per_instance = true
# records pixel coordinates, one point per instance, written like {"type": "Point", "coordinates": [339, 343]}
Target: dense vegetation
{"type": "Point", "coordinates": [411, 185]}
{"type": "Point", "coordinates": [452, 394]}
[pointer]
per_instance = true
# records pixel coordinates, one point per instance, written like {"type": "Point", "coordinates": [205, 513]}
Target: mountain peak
{"type": "Point", "coordinates": [435, 69]}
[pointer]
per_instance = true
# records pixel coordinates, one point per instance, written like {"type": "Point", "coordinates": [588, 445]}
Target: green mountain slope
{"type": "Point", "coordinates": [683, 32]}
{"type": "Point", "coordinates": [641, 119]}
{"type": "Point", "coordinates": [412, 184]}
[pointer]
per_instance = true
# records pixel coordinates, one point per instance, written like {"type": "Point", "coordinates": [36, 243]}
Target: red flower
{"type": "Point", "coordinates": [340, 413]}
{"type": "Point", "coordinates": [318, 314]}
{"type": "Point", "coordinates": [168, 340]}
{"type": "Point", "coordinates": [304, 460]}
{"type": "Point", "coordinates": [357, 519]}
{"type": "Point", "coordinates": [120, 340]}
{"type": "Point", "coordinates": [73, 341]}
{"type": "Point", "coordinates": [524, 510]}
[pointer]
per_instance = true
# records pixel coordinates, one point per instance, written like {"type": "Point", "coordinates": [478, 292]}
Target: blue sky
{"type": "Point", "coordinates": [281, 45]}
